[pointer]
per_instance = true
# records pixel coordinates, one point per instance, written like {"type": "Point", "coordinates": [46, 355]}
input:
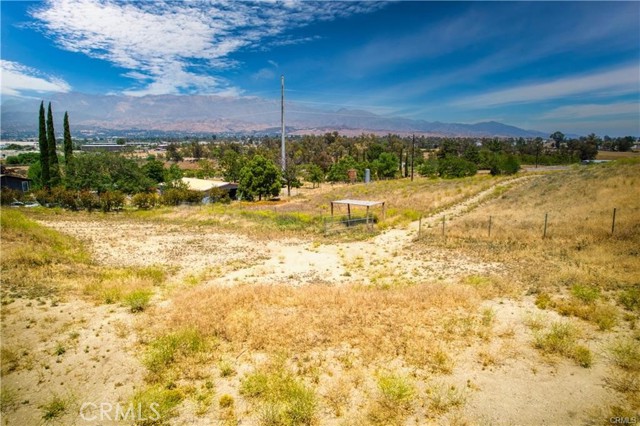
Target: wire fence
{"type": "Point", "coordinates": [494, 226]}
{"type": "Point", "coordinates": [344, 223]}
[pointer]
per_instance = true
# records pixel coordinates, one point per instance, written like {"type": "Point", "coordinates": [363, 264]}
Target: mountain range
{"type": "Point", "coordinates": [210, 114]}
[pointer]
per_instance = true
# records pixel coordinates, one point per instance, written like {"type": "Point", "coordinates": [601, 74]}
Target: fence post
{"type": "Point", "coordinates": [613, 221]}
{"type": "Point", "coordinates": [489, 226]}
{"type": "Point", "coordinates": [544, 235]}
{"type": "Point", "coordinates": [443, 220]}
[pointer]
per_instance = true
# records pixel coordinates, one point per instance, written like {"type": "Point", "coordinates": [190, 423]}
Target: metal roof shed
{"type": "Point", "coordinates": [363, 203]}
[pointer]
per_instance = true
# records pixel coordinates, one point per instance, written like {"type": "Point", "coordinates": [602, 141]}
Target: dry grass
{"type": "Point", "coordinates": [580, 268]}
{"type": "Point", "coordinates": [362, 354]}
{"type": "Point", "coordinates": [303, 215]}
{"type": "Point", "coordinates": [410, 322]}
{"type": "Point", "coordinates": [40, 262]}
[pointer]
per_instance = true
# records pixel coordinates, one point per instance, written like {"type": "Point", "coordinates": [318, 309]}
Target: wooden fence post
{"type": "Point", "coordinates": [613, 221]}
{"type": "Point", "coordinates": [489, 226]}
{"type": "Point", "coordinates": [544, 235]}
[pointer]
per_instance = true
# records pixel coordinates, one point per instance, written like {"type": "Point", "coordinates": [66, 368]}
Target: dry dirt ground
{"type": "Point", "coordinates": [505, 380]}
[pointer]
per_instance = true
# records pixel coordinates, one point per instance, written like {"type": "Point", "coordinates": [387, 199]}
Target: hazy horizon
{"type": "Point", "coordinates": [569, 66]}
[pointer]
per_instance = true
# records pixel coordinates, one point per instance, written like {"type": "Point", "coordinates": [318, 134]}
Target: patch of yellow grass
{"type": "Point", "coordinates": [412, 323]}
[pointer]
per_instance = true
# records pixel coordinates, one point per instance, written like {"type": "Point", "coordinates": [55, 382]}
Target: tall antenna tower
{"type": "Point", "coordinates": [283, 158]}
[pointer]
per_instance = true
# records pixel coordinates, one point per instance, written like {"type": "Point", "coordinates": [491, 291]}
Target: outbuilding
{"type": "Point", "coordinates": [17, 183]}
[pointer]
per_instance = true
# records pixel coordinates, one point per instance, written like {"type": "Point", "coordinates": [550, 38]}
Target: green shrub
{"type": "Point", "coordinates": [626, 354]}
{"type": "Point", "coordinates": [178, 195]}
{"type": "Point", "coordinates": [455, 167]}
{"type": "Point", "coordinates": [145, 200]}
{"type": "Point", "coordinates": [561, 339]}
{"type": "Point", "coordinates": [155, 405]}
{"type": "Point", "coordinates": [55, 408]}
{"type": "Point", "coordinates": [88, 200]}
{"type": "Point", "coordinates": [584, 293]}
{"type": "Point", "coordinates": [582, 355]}
{"type": "Point", "coordinates": [217, 195]}
{"type": "Point", "coordinates": [429, 168]}
{"type": "Point", "coordinates": [396, 390]}
{"type": "Point", "coordinates": [543, 301]}
{"type": "Point", "coordinates": [226, 401]}
{"type": "Point", "coordinates": [165, 350]}
{"type": "Point", "coordinates": [504, 165]}
{"type": "Point", "coordinates": [8, 196]}
{"type": "Point", "coordinates": [111, 200]}
{"type": "Point", "coordinates": [138, 300]}
{"type": "Point", "coordinates": [285, 400]}
{"type": "Point", "coordinates": [630, 299]}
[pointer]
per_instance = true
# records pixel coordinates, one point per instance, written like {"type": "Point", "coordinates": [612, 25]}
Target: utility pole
{"type": "Point", "coordinates": [283, 158]}
{"type": "Point", "coordinates": [413, 153]}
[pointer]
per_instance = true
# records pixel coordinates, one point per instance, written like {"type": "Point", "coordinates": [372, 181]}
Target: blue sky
{"type": "Point", "coordinates": [569, 66]}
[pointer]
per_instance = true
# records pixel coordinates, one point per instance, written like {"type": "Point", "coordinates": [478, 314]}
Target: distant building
{"type": "Point", "coordinates": [15, 182]}
{"type": "Point", "coordinates": [94, 147]}
{"type": "Point", "coordinates": [204, 185]}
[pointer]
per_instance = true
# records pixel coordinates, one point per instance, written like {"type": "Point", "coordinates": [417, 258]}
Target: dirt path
{"type": "Point", "coordinates": [218, 258]}
{"type": "Point", "coordinates": [384, 259]}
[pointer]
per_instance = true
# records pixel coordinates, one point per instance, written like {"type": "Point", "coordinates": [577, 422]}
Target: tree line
{"type": "Point", "coordinates": [254, 163]}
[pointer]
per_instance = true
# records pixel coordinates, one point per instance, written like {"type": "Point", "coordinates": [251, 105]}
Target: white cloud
{"type": "Point", "coordinates": [592, 110]}
{"type": "Point", "coordinates": [264, 74]}
{"type": "Point", "coordinates": [620, 81]}
{"type": "Point", "coordinates": [18, 79]}
{"type": "Point", "coordinates": [175, 44]}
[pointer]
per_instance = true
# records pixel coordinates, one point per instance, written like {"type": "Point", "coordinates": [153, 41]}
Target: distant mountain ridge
{"type": "Point", "coordinates": [202, 114]}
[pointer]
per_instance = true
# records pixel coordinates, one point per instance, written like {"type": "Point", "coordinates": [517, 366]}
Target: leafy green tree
{"type": "Point", "coordinates": [455, 167]}
{"type": "Point", "coordinates": [105, 171]}
{"type": "Point", "coordinates": [172, 152]}
{"type": "Point", "coordinates": [24, 158]}
{"type": "Point", "coordinates": [449, 148]}
{"type": "Point", "coordinates": [44, 150]}
{"type": "Point", "coordinates": [54, 168]}
{"type": "Point", "coordinates": [386, 165]}
{"type": "Point", "coordinates": [290, 178]}
{"type": "Point", "coordinates": [259, 178]}
{"type": "Point", "coordinates": [197, 151]}
{"type": "Point", "coordinates": [429, 168]}
{"type": "Point", "coordinates": [154, 170]}
{"type": "Point", "coordinates": [172, 173]}
{"type": "Point", "coordinates": [374, 151]}
{"type": "Point", "coordinates": [558, 138]}
{"type": "Point", "coordinates": [35, 174]}
{"type": "Point", "coordinates": [338, 171]}
{"type": "Point", "coordinates": [315, 175]}
{"type": "Point", "coordinates": [504, 165]}
{"type": "Point", "coordinates": [586, 149]}
{"type": "Point", "coordinates": [231, 164]}
{"type": "Point", "coordinates": [472, 154]}
{"type": "Point", "coordinates": [624, 144]}
{"type": "Point", "coordinates": [68, 145]}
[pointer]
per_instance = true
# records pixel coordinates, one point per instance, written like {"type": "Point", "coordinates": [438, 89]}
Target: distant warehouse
{"type": "Point", "coordinates": [110, 147]}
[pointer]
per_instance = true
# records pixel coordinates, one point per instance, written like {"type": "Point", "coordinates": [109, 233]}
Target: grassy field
{"type": "Point", "coordinates": [427, 330]}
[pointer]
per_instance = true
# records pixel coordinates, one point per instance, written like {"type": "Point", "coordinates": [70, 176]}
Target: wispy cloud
{"type": "Point", "coordinates": [19, 80]}
{"type": "Point", "coordinates": [593, 111]}
{"type": "Point", "coordinates": [619, 81]}
{"type": "Point", "coordinates": [172, 47]}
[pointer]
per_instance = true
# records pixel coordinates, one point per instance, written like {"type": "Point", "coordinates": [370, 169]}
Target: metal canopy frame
{"type": "Point", "coordinates": [362, 203]}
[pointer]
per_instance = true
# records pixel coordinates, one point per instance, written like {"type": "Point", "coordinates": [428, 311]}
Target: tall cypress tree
{"type": "Point", "coordinates": [68, 146]}
{"type": "Point", "coordinates": [44, 149]}
{"type": "Point", "coordinates": [54, 168]}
